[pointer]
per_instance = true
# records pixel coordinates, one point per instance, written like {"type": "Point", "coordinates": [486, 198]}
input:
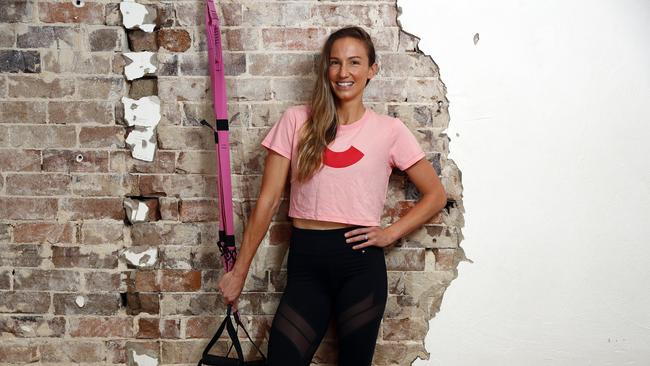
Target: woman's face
{"type": "Point", "coordinates": [348, 69]}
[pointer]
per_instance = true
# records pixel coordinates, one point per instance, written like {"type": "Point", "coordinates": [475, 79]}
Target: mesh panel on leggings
{"type": "Point", "coordinates": [295, 328]}
{"type": "Point", "coordinates": [358, 315]}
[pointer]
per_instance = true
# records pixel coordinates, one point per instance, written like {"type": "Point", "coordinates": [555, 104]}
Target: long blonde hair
{"type": "Point", "coordinates": [320, 129]}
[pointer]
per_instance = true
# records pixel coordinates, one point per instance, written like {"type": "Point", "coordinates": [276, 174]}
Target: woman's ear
{"type": "Point", "coordinates": [374, 69]}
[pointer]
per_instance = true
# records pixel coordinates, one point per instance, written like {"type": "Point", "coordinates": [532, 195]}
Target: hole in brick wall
{"type": "Point", "coordinates": [450, 204]}
{"type": "Point", "coordinates": [78, 3]}
{"type": "Point", "coordinates": [123, 299]}
{"type": "Point", "coordinates": [151, 212]}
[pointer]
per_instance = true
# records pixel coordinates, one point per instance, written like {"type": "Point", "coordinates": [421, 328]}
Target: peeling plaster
{"type": "Point", "coordinates": [136, 211]}
{"type": "Point", "coordinates": [136, 15]}
{"type": "Point", "coordinates": [80, 301]}
{"type": "Point", "coordinates": [147, 258]}
{"type": "Point", "coordinates": [142, 143]}
{"type": "Point", "coordinates": [139, 64]}
{"type": "Point", "coordinates": [28, 331]}
{"type": "Point", "coordinates": [144, 359]}
{"type": "Point", "coordinates": [144, 112]}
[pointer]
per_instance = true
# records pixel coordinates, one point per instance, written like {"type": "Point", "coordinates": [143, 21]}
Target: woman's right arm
{"type": "Point", "coordinates": [276, 170]}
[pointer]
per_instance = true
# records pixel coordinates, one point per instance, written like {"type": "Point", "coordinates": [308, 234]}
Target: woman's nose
{"type": "Point", "coordinates": [343, 71]}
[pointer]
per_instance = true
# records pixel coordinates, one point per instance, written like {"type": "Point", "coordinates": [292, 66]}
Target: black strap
{"type": "Point", "coordinates": [232, 333]}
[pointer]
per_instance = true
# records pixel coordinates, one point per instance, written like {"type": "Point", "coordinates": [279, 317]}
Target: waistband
{"type": "Point", "coordinates": [325, 232]}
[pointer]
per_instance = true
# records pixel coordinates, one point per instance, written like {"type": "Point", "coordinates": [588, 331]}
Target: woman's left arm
{"type": "Point", "coordinates": [433, 199]}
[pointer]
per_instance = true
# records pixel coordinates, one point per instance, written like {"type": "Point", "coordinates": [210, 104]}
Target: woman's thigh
{"type": "Point", "coordinates": [305, 307]}
{"type": "Point", "coordinates": [359, 307]}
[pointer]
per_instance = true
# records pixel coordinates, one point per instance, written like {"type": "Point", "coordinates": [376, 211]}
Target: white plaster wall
{"type": "Point", "coordinates": [551, 129]}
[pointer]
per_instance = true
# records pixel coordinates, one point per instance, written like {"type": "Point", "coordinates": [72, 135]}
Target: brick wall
{"type": "Point", "coordinates": [78, 282]}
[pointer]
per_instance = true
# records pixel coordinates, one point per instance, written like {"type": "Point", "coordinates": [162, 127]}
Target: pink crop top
{"type": "Point", "coordinates": [352, 184]}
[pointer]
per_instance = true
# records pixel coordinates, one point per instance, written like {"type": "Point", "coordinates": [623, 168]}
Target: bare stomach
{"type": "Point", "coordinates": [317, 224]}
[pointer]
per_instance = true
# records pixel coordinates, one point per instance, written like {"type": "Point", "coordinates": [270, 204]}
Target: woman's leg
{"type": "Point", "coordinates": [305, 307]}
{"type": "Point", "coordinates": [359, 306]}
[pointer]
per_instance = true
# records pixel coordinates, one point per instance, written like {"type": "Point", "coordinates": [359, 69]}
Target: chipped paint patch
{"type": "Point", "coordinates": [142, 143]}
{"type": "Point", "coordinates": [136, 211]}
{"type": "Point", "coordinates": [144, 359]}
{"type": "Point", "coordinates": [143, 112]}
{"type": "Point", "coordinates": [136, 15]}
{"type": "Point", "coordinates": [139, 63]}
{"type": "Point", "coordinates": [80, 301]}
{"type": "Point", "coordinates": [146, 258]}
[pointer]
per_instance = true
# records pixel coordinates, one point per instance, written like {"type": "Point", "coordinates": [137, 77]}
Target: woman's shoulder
{"type": "Point", "coordinates": [385, 120]}
{"type": "Point", "coordinates": [298, 111]}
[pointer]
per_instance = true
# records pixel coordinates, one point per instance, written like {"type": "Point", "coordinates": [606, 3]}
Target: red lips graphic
{"type": "Point", "coordinates": [341, 159]}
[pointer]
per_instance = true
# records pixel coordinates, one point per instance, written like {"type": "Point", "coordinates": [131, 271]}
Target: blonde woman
{"type": "Point", "coordinates": [338, 155]}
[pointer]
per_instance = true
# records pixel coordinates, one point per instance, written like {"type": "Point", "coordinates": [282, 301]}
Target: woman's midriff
{"type": "Point", "coordinates": [317, 224]}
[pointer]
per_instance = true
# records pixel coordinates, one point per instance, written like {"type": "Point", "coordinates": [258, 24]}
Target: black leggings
{"type": "Point", "coordinates": [325, 277]}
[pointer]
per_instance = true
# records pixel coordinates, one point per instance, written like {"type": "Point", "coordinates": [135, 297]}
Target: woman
{"type": "Point", "coordinates": [339, 155]}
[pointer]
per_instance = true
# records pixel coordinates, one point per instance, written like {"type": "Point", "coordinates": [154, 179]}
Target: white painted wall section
{"type": "Point", "coordinates": [550, 128]}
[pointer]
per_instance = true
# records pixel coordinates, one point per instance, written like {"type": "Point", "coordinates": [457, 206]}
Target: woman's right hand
{"type": "Point", "coordinates": [231, 285]}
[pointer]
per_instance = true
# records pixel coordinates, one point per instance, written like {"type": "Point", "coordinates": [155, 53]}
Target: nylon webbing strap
{"type": "Point", "coordinates": [226, 241]}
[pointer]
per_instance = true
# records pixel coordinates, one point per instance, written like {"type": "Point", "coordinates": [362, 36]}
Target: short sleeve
{"type": "Point", "coordinates": [406, 149]}
{"type": "Point", "coordinates": [280, 136]}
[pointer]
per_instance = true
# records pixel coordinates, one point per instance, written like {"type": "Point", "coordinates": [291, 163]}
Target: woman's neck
{"type": "Point", "coordinates": [348, 113]}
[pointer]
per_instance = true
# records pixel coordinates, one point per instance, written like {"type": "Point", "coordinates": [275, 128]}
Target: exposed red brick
{"type": "Point", "coordinates": [294, 39]}
{"type": "Point", "coordinates": [180, 280]}
{"type": "Point", "coordinates": [21, 255]}
{"type": "Point", "coordinates": [95, 304]}
{"type": "Point", "coordinates": [168, 208]}
{"type": "Point", "coordinates": [5, 282]}
{"type": "Point", "coordinates": [447, 259]}
{"type": "Point", "coordinates": [90, 13]}
{"type": "Point", "coordinates": [69, 352]}
{"type": "Point", "coordinates": [75, 257]}
{"type": "Point", "coordinates": [44, 232]}
{"type": "Point", "coordinates": [18, 352]}
{"type": "Point", "coordinates": [175, 40]}
{"type": "Point", "coordinates": [101, 232]}
{"type": "Point", "coordinates": [42, 136]}
{"type": "Point", "coordinates": [15, 208]}
{"type": "Point", "coordinates": [280, 233]}
{"type": "Point", "coordinates": [138, 302]}
{"type": "Point", "coordinates": [16, 160]}
{"type": "Point", "coordinates": [122, 162]}
{"type": "Point", "coordinates": [75, 112]}
{"type": "Point", "coordinates": [201, 327]}
{"type": "Point", "coordinates": [75, 161]}
{"type": "Point", "coordinates": [148, 328]}
{"type": "Point", "coordinates": [24, 302]}
{"type": "Point", "coordinates": [142, 281]}
{"type": "Point", "coordinates": [198, 210]}
{"type": "Point", "coordinates": [101, 327]}
{"type": "Point", "coordinates": [103, 281]}
{"type": "Point", "coordinates": [170, 328]}
{"type": "Point", "coordinates": [46, 280]}
{"type": "Point", "coordinates": [29, 326]}
{"type": "Point", "coordinates": [38, 184]}
{"type": "Point", "coordinates": [22, 86]}
{"type": "Point", "coordinates": [114, 185]}
{"type": "Point", "coordinates": [22, 112]}
{"type": "Point", "coordinates": [93, 208]}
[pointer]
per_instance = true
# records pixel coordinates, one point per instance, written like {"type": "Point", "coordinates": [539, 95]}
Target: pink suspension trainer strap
{"type": "Point", "coordinates": [226, 242]}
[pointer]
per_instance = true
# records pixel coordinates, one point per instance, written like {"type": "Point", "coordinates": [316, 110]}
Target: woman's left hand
{"type": "Point", "coordinates": [373, 235]}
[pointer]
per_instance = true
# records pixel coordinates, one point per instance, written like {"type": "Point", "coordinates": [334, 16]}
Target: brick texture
{"type": "Point", "coordinates": [67, 293]}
